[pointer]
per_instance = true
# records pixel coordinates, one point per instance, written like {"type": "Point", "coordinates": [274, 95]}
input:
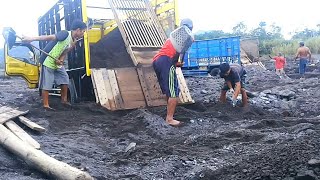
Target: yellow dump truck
{"type": "Point", "coordinates": [112, 62]}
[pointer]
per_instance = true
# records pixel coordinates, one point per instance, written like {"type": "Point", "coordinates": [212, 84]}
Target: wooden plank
{"type": "Point", "coordinates": [132, 96]}
{"type": "Point", "coordinates": [108, 90]}
{"type": "Point", "coordinates": [93, 71]}
{"type": "Point", "coordinates": [115, 89]}
{"type": "Point", "coordinates": [134, 104]}
{"type": "Point", "coordinates": [144, 86]}
{"type": "Point", "coordinates": [4, 117]}
{"type": "Point", "coordinates": [184, 85]}
{"type": "Point", "coordinates": [31, 125]}
{"type": "Point", "coordinates": [4, 109]}
{"type": "Point", "coordinates": [182, 96]}
{"type": "Point", "coordinates": [98, 78]}
{"type": "Point", "coordinates": [39, 160]}
{"type": "Point", "coordinates": [21, 134]}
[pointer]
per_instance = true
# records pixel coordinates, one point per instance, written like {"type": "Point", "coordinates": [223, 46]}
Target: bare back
{"type": "Point", "coordinates": [303, 52]}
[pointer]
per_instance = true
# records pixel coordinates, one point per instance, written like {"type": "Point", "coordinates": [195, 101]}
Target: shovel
{"type": "Point", "coordinates": [10, 38]}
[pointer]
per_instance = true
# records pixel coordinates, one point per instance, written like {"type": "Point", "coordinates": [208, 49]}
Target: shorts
{"type": "Point", "coordinates": [302, 65]}
{"type": "Point", "coordinates": [242, 83]}
{"type": "Point", "coordinates": [167, 77]}
{"type": "Point", "coordinates": [49, 77]}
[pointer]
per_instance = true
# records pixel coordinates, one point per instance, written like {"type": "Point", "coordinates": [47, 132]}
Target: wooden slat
{"type": "Point", "coordinates": [31, 125]}
{"type": "Point", "coordinates": [184, 86]}
{"type": "Point", "coordinates": [98, 80]}
{"type": "Point", "coordinates": [115, 89]}
{"type": "Point", "coordinates": [108, 90]}
{"type": "Point", "coordinates": [144, 86]}
{"type": "Point", "coordinates": [4, 117]}
{"type": "Point", "coordinates": [21, 134]}
{"type": "Point", "coordinates": [93, 71]}
{"type": "Point", "coordinates": [4, 109]}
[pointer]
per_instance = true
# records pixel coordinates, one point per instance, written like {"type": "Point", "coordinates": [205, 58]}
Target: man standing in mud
{"type": "Point", "coordinates": [234, 76]}
{"type": "Point", "coordinates": [304, 54]}
{"type": "Point", "coordinates": [52, 70]}
{"type": "Point", "coordinates": [164, 64]}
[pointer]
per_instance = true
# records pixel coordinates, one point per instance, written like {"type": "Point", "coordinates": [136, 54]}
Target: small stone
{"type": "Point", "coordinates": [192, 121]}
{"type": "Point", "coordinates": [204, 92]}
{"type": "Point", "coordinates": [301, 114]}
{"type": "Point", "coordinates": [130, 146]}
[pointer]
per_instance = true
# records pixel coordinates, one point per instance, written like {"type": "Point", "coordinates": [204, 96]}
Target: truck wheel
{"type": "Point", "coordinates": [215, 72]}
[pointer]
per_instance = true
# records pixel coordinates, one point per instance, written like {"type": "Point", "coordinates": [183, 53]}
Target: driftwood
{"type": "Point", "coordinates": [40, 160]}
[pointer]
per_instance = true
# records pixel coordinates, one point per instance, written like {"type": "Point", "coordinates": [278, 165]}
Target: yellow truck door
{"type": "Point", "coordinates": [21, 60]}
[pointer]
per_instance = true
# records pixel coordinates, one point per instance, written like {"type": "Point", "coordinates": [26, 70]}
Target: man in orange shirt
{"type": "Point", "coordinates": [164, 64]}
{"type": "Point", "coordinates": [279, 63]}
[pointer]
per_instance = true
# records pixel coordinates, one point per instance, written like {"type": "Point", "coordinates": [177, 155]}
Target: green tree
{"type": "Point", "coordinates": [240, 29]}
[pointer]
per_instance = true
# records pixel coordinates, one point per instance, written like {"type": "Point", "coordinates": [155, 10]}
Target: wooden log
{"type": "Point", "coordinates": [4, 117]}
{"type": "Point", "coordinates": [31, 125]}
{"type": "Point", "coordinates": [20, 133]}
{"type": "Point", "coordinates": [39, 160]}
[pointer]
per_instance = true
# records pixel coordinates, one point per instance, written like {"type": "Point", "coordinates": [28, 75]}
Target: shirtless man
{"type": "Point", "coordinates": [304, 54]}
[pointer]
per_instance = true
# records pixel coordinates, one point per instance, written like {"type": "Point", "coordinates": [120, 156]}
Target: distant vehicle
{"type": "Point", "coordinates": [204, 56]}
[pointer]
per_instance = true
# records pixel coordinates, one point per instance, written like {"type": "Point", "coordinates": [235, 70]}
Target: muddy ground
{"type": "Point", "coordinates": [272, 139]}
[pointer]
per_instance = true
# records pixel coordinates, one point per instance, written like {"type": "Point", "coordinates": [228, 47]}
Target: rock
{"type": "Point", "coordinates": [306, 175]}
{"type": "Point", "coordinates": [268, 91]}
{"type": "Point", "coordinates": [301, 114]}
{"type": "Point", "coordinates": [262, 94]}
{"type": "Point", "coordinates": [130, 146]}
{"type": "Point", "coordinates": [204, 92]}
{"type": "Point", "coordinates": [314, 162]}
{"type": "Point", "coordinates": [287, 93]}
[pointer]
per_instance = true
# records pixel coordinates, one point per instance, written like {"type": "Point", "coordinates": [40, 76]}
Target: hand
{"type": "Point", "coordinates": [231, 91]}
{"type": "Point", "coordinates": [59, 62]}
{"type": "Point", "coordinates": [26, 39]}
{"type": "Point", "coordinates": [179, 64]}
{"type": "Point", "coordinates": [234, 102]}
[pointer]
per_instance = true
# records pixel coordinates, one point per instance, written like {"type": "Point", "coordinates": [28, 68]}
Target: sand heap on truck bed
{"type": "Point", "coordinates": [110, 52]}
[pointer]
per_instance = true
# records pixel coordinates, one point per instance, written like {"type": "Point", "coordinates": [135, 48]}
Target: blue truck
{"type": "Point", "coordinates": [206, 55]}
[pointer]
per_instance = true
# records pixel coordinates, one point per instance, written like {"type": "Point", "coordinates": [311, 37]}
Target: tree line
{"type": "Point", "coordinates": [271, 40]}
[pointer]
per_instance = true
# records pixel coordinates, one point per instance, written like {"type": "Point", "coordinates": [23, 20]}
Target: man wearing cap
{"type": "Point", "coordinates": [52, 70]}
{"type": "Point", "coordinates": [234, 76]}
{"type": "Point", "coordinates": [304, 54]}
{"type": "Point", "coordinates": [164, 64]}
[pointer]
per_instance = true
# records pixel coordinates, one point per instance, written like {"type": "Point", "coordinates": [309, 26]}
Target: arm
{"type": "Point", "coordinates": [237, 90]}
{"type": "Point", "coordinates": [39, 38]}
{"type": "Point", "coordinates": [229, 84]}
{"type": "Point", "coordinates": [309, 53]}
{"type": "Point", "coordinates": [62, 57]}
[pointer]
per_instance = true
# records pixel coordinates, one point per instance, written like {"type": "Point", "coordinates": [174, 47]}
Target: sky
{"type": "Point", "coordinates": [290, 15]}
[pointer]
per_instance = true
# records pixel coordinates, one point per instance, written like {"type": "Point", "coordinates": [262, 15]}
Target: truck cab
{"type": "Point", "coordinates": [22, 60]}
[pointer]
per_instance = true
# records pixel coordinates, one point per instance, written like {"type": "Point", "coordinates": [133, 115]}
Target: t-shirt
{"type": "Point", "coordinates": [280, 62]}
{"type": "Point", "coordinates": [236, 72]}
{"type": "Point", "coordinates": [55, 49]}
{"type": "Point", "coordinates": [167, 50]}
